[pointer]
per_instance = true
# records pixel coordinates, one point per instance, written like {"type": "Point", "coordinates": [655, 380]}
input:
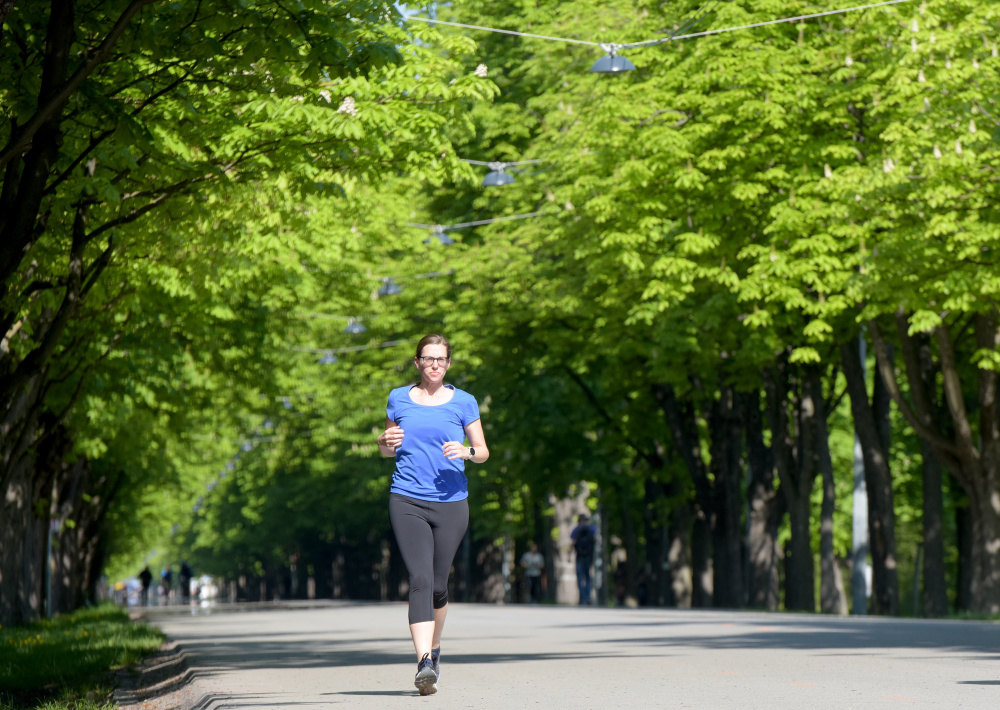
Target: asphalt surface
{"type": "Point", "coordinates": [360, 656]}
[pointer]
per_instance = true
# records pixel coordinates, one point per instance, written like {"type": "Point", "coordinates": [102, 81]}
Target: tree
{"type": "Point", "coordinates": [129, 142]}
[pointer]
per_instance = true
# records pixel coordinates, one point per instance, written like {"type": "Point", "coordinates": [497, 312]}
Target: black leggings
{"type": "Point", "coordinates": [428, 534]}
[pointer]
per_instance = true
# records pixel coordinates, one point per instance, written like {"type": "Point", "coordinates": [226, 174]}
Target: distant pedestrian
{"type": "Point", "coordinates": [185, 578]}
{"type": "Point", "coordinates": [145, 578]}
{"type": "Point", "coordinates": [533, 562]}
{"type": "Point", "coordinates": [167, 582]}
{"type": "Point", "coordinates": [428, 500]}
{"type": "Point", "coordinates": [584, 538]}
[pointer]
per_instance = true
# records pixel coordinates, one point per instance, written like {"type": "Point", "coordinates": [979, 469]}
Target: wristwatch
{"type": "Point", "coordinates": [472, 452]}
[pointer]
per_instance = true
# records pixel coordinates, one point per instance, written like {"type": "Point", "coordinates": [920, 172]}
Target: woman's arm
{"type": "Point", "coordinates": [477, 441]}
{"type": "Point", "coordinates": [390, 439]}
{"type": "Point", "coordinates": [457, 450]}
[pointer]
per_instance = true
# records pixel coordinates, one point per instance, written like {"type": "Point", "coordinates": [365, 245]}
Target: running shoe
{"type": "Point", "coordinates": [436, 660]}
{"type": "Point", "coordinates": [426, 680]}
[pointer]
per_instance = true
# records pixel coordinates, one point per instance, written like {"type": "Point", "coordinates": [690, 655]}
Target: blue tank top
{"type": "Point", "coordinates": [422, 471]}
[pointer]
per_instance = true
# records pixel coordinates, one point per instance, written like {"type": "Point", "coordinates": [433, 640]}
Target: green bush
{"type": "Point", "coordinates": [66, 662]}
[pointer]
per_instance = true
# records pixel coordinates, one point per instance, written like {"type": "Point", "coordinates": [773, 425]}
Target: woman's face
{"type": "Point", "coordinates": [433, 363]}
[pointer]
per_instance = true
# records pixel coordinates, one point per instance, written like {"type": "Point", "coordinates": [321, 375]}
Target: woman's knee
{"type": "Point", "coordinates": [440, 598]}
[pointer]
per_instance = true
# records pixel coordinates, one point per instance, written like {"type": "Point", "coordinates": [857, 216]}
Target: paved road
{"type": "Point", "coordinates": [360, 656]}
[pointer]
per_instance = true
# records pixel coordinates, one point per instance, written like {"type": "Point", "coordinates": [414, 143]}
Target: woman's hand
{"type": "Point", "coordinates": [455, 450]}
{"type": "Point", "coordinates": [391, 438]}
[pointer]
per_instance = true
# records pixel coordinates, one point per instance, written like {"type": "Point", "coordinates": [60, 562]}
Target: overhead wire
{"type": "Point", "coordinates": [505, 163]}
{"type": "Point", "coordinates": [672, 37]}
{"type": "Point", "coordinates": [506, 32]}
{"type": "Point", "coordinates": [655, 42]}
{"type": "Point", "coordinates": [476, 223]}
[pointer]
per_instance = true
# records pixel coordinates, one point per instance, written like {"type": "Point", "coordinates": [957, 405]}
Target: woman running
{"type": "Point", "coordinates": [425, 428]}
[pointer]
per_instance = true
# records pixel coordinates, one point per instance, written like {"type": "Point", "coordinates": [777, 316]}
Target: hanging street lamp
{"type": "Point", "coordinates": [498, 175]}
{"type": "Point", "coordinates": [612, 62]}
{"type": "Point", "coordinates": [389, 287]}
{"type": "Point", "coordinates": [439, 234]}
{"type": "Point", "coordinates": [354, 328]}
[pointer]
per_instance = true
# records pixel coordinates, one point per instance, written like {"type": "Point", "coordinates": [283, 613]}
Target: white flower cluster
{"type": "Point", "coordinates": [481, 71]}
{"type": "Point", "coordinates": [326, 96]}
{"type": "Point", "coordinates": [347, 106]}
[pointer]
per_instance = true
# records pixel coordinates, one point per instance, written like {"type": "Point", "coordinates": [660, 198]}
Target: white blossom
{"type": "Point", "coordinates": [947, 62]}
{"type": "Point", "coordinates": [326, 96]}
{"type": "Point", "coordinates": [915, 27]}
{"type": "Point", "coordinates": [913, 44]}
{"type": "Point", "coordinates": [888, 166]}
{"type": "Point", "coordinates": [927, 104]}
{"type": "Point", "coordinates": [347, 106]}
{"type": "Point", "coordinates": [920, 76]}
{"type": "Point", "coordinates": [848, 61]}
{"type": "Point", "coordinates": [994, 49]}
{"type": "Point", "coordinates": [958, 146]}
{"type": "Point", "coordinates": [937, 152]}
{"type": "Point", "coordinates": [975, 63]}
{"type": "Point", "coordinates": [481, 71]}
{"type": "Point", "coordinates": [933, 38]}
{"type": "Point", "coordinates": [972, 125]}
{"type": "Point", "coordinates": [827, 171]}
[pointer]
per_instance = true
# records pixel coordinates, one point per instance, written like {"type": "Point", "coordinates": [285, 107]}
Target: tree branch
{"type": "Point", "coordinates": [987, 338]}
{"type": "Point", "coordinates": [885, 369]}
{"type": "Point", "coordinates": [953, 394]}
{"type": "Point", "coordinates": [653, 459]}
{"type": "Point", "coordinates": [20, 143]}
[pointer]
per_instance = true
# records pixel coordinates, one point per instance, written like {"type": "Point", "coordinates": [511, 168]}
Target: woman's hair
{"type": "Point", "coordinates": [433, 339]}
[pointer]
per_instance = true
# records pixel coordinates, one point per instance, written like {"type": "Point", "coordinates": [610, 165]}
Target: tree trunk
{"type": "Point", "coordinates": [727, 532]}
{"type": "Point", "coordinates": [963, 541]}
{"type": "Point", "coordinates": [681, 419]}
{"type": "Point", "coordinates": [701, 562]}
{"type": "Point", "coordinates": [796, 472]}
{"type": "Point", "coordinates": [631, 545]}
{"type": "Point", "coordinates": [832, 599]}
{"type": "Point", "coordinates": [679, 548]}
{"type": "Point", "coordinates": [567, 509]}
{"type": "Point", "coordinates": [935, 591]}
{"type": "Point", "coordinates": [921, 370]}
{"type": "Point", "coordinates": [971, 454]}
{"type": "Point", "coordinates": [878, 482]}
{"type": "Point", "coordinates": [764, 512]}
{"type": "Point", "coordinates": [22, 539]}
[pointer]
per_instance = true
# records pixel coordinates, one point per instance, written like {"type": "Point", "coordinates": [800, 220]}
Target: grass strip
{"type": "Point", "coordinates": [66, 663]}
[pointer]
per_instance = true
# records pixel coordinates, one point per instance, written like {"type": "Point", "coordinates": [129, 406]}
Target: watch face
{"type": "Point", "coordinates": [472, 451]}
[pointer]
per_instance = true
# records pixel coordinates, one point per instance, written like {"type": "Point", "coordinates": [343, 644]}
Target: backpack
{"type": "Point", "coordinates": [584, 543]}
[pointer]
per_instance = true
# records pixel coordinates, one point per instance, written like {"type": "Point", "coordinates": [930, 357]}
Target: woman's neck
{"type": "Point", "coordinates": [430, 389]}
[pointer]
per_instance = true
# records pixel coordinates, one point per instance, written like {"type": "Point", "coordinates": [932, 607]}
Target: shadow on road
{"type": "Point", "coordinates": [825, 633]}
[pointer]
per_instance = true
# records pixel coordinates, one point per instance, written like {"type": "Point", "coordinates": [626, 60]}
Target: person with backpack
{"type": "Point", "coordinates": [584, 538]}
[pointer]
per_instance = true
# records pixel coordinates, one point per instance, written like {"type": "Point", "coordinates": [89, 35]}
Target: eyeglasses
{"type": "Point", "coordinates": [442, 361]}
